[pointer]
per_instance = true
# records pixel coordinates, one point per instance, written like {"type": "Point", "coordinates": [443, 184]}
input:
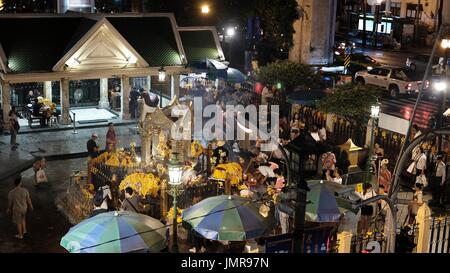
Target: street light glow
{"type": "Point", "coordinates": [205, 9]}
{"type": "Point", "coordinates": [445, 43]}
{"type": "Point", "coordinates": [230, 31]}
{"type": "Point", "coordinates": [440, 86]}
{"type": "Point", "coordinates": [375, 111]}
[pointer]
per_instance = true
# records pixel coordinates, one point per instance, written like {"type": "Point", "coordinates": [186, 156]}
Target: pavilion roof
{"type": "Point", "coordinates": [37, 42]}
{"type": "Point", "coordinates": [200, 44]}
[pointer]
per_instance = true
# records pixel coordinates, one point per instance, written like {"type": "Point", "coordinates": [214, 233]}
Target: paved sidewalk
{"type": "Point", "coordinates": [55, 145]}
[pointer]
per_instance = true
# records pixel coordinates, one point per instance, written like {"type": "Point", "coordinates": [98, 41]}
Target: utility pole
{"type": "Point", "coordinates": [416, 23]}
{"type": "Point", "coordinates": [364, 10]}
{"type": "Point", "coordinates": [440, 13]}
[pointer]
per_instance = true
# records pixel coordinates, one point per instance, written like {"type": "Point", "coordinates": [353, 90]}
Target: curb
{"type": "Point", "coordinates": [28, 164]}
{"type": "Point", "coordinates": [39, 130]}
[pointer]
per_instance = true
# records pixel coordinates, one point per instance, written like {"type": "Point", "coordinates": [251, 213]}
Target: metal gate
{"type": "Point", "coordinates": [440, 235]}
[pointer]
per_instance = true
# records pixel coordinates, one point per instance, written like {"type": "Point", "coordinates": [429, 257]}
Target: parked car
{"type": "Point", "coordinates": [419, 62]}
{"type": "Point", "coordinates": [341, 43]}
{"type": "Point", "coordinates": [398, 81]}
{"type": "Point", "coordinates": [358, 62]}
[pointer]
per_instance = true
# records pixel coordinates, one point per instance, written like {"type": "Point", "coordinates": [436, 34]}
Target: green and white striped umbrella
{"type": "Point", "coordinates": [228, 218]}
{"type": "Point", "coordinates": [116, 232]}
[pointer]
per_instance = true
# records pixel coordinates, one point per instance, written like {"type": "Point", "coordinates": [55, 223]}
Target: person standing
{"type": "Point", "coordinates": [366, 210]}
{"type": "Point", "coordinates": [131, 201]}
{"type": "Point", "coordinates": [97, 207]}
{"type": "Point", "coordinates": [421, 164]}
{"type": "Point", "coordinates": [438, 180]}
{"type": "Point", "coordinates": [322, 133]}
{"type": "Point", "coordinates": [93, 151]}
{"type": "Point", "coordinates": [39, 165]}
{"type": "Point", "coordinates": [92, 146]}
{"type": "Point", "coordinates": [18, 204]}
{"type": "Point", "coordinates": [343, 163]}
{"type": "Point", "coordinates": [111, 140]}
{"type": "Point", "coordinates": [385, 176]}
{"type": "Point", "coordinates": [415, 204]}
{"type": "Point", "coordinates": [265, 95]}
{"type": "Point", "coordinates": [134, 96]}
{"type": "Point", "coordinates": [328, 163]}
{"type": "Point", "coordinates": [13, 118]}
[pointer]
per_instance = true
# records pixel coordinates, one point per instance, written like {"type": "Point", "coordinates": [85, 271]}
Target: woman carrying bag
{"type": "Point", "coordinates": [39, 173]}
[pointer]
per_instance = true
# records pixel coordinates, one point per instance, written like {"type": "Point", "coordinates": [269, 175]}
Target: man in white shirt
{"type": "Point", "coordinates": [106, 195]}
{"type": "Point", "coordinates": [438, 180]}
{"type": "Point", "coordinates": [421, 164]}
{"type": "Point", "coordinates": [323, 134]}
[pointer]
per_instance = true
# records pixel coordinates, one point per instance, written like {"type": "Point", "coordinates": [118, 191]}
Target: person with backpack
{"type": "Point", "coordinates": [98, 200]}
{"type": "Point", "coordinates": [131, 201]}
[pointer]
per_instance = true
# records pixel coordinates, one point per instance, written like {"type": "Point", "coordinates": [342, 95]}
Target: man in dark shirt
{"type": "Point", "coordinates": [97, 207]}
{"type": "Point", "coordinates": [92, 146]}
{"type": "Point", "coordinates": [134, 96]}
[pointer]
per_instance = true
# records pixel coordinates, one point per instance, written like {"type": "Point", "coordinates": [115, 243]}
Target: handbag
{"type": "Point", "coordinates": [412, 168]}
{"type": "Point", "coordinates": [16, 125]}
{"type": "Point", "coordinates": [422, 179]}
{"type": "Point", "coordinates": [41, 177]}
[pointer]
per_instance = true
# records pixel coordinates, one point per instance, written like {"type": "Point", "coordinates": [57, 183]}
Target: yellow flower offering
{"type": "Point", "coordinates": [196, 148]}
{"type": "Point", "coordinates": [179, 212]}
{"type": "Point", "coordinates": [144, 184]}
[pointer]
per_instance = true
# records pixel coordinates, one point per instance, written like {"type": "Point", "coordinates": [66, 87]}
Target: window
{"type": "Point", "coordinates": [399, 74]}
{"type": "Point", "coordinates": [375, 71]}
{"type": "Point", "coordinates": [395, 9]}
{"type": "Point", "coordinates": [411, 10]}
{"type": "Point", "coordinates": [384, 72]}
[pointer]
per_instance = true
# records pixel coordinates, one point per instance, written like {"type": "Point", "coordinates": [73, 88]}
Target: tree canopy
{"type": "Point", "coordinates": [350, 101]}
{"type": "Point", "coordinates": [290, 75]}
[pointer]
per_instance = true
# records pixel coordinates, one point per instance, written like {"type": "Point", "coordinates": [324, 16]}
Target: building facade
{"type": "Point", "coordinates": [314, 32]}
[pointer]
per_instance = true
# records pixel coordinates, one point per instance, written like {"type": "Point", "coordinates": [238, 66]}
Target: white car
{"type": "Point", "coordinates": [397, 81]}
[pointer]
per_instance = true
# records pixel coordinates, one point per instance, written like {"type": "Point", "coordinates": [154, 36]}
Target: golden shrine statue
{"type": "Point", "coordinates": [163, 148]}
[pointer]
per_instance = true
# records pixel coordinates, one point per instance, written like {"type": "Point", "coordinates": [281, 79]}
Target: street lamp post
{"type": "Point", "coordinates": [175, 171]}
{"type": "Point", "coordinates": [374, 115]}
{"type": "Point", "coordinates": [230, 33]}
{"type": "Point", "coordinates": [377, 4]}
{"type": "Point", "coordinates": [161, 80]}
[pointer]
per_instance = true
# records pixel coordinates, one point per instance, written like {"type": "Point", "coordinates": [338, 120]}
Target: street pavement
{"type": "Point", "coordinates": [55, 145]}
{"type": "Point", "coordinates": [393, 57]}
{"type": "Point", "coordinates": [45, 224]}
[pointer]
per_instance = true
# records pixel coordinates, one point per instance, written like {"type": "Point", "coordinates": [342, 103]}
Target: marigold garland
{"type": "Point", "coordinates": [231, 170]}
{"type": "Point", "coordinates": [143, 184]}
{"type": "Point", "coordinates": [179, 212]}
{"type": "Point", "coordinates": [196, 148]}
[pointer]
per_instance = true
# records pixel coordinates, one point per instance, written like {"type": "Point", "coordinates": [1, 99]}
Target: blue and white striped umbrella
{"type": "Point", "coordinates": [116, 232]}
{"type": "Point", "coordinates": [228, 218]}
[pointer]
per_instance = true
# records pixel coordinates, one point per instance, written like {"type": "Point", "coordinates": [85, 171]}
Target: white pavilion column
{"type": "Point", "coordinates": [125, 98]}
{"type": "Point", "coordinates": [403, 9]}
{"type": "Point", "coordinates": [65, 103]}
{"type": "Point", "coordinates": [6, 100]}
{"type": "Point", "coordinates": [175, 85]}
{"type": "Point", "coordinates": [103, 103]}
{"type": "Point", "coordinates": [149, 83]}
{"type": "Point", "coordinates": [48, 90]}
